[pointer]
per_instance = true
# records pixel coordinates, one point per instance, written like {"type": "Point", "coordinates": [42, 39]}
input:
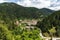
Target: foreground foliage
{"type": "Point", "coordinates": [18, 33]}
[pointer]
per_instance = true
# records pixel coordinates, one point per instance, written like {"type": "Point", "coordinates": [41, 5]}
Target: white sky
{"type": "Point", "coordinates": [51, 4]}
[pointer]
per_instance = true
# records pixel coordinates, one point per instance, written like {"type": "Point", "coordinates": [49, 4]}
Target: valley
{"type": "Point", "coordinates": [28, 23]}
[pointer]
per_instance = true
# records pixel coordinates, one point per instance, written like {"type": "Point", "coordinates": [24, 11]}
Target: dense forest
{"type": "Point", "coordinates": [50, 25]}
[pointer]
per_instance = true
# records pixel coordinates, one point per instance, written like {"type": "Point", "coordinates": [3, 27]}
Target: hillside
{"type": "Point", "coordinates": [13, 11]}
{"type": "Point", "coordinates": [50, 26]}
{"type": "Point", "coordinates": [46, 11]}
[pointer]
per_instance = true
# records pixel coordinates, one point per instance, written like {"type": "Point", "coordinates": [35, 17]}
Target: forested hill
{"type": "Point", "coordinates": [51, 25]}
{"type": "Point", "coordinates": [46, 11]}
{"type": "Point", "coordinates": [13, 11]}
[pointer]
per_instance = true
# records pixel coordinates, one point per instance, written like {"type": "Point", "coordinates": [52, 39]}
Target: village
{"type": "Point", "coordinates": [30, 24]}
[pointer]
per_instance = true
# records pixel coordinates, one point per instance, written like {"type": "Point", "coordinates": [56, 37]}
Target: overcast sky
{"type": "Point", "coordinates": [51, 4]}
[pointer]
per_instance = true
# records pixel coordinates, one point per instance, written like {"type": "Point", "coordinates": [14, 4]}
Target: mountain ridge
{"type": "Point", "coordinates": [24, 9]}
